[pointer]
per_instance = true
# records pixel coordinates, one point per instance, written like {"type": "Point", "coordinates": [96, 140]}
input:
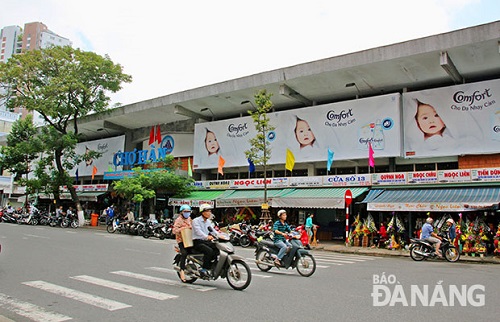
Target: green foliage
{"type": "Point", "coordinates": [260, 152]}
{"type": "Point", "coordinates": [62, 84]}
{"type": "Point", "coordinates": [144, 184]}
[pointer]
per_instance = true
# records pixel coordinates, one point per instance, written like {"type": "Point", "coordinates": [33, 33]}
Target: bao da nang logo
{"type": "Point", "coordinates": [168, 143]}
{"type": "Point", "coordinates": [388, 291]}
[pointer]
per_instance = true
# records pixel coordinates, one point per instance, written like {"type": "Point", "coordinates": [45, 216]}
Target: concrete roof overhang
{"type": "Point", "coordinates": [405, 66]}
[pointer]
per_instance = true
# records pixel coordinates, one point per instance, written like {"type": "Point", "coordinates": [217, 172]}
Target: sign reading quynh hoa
{"type": "Point", "coordinates": [346, 128]}
{"type": "Point", "coordinates": [389, 178]}
{"type": "Point", "coordinates": [455, 120]}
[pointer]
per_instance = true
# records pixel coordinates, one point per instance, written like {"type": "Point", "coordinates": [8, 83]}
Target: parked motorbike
{"type": "Point", "coordinates": [228, 265]}
{"type": "Point", "coordinates": [421, 249]}
{"type": "Point", "coordinates": [116, 225]}
{"type": "Point", "coordinates": [297, 257]}
{"type": "Point", "coordinates": [9, 218]}
{"type": "Point", "coordinates": [154, 229]}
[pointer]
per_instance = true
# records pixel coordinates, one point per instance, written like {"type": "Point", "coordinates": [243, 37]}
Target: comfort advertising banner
{"type": "Point", "coordinates": [346, 128]}
{"type": "Point", "coordinates": [462, 119]}
{"type": "Point", "coordinates": [108, 147]}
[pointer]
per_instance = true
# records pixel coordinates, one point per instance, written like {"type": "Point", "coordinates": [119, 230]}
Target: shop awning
{"type": "Point", "coordinates": [447, 199]}
{"type": "Point", "coordinates": [89, 195]}
{"type": "Point", "coordinates": [196, 198]}
{"type": "Point", "coordinates": [249, 198]}
{"type": "Point", "coordinates": [328, 198]}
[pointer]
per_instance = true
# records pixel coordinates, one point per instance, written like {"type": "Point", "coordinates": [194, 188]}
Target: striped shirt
{"type": "Point", "coordinates": [283, 227]}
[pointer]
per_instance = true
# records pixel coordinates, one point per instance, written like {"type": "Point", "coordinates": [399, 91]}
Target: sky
{"type": "Point", "coordinates": [174, 46]}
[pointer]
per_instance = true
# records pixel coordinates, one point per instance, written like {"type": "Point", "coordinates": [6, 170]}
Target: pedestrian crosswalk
{"type": "Point", "coordinates": [166, 278]}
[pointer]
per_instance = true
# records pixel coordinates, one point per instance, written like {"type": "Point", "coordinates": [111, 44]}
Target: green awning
{"type": "Point", "coordinates": [329, 198]}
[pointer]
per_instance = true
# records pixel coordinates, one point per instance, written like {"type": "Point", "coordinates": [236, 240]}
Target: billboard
{"type": "Point", "coordinates": [455, 120]}
{"type": "Point", "coordinates": [346, 128]}
{"type": "Point", "coordinates": [108, 147]}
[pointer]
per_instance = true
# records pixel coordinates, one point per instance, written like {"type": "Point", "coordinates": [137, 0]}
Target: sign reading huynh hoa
{"type": "Point", "coordinates": [456, 120]}
{"type": "Point", "coordinates": [346, 128]}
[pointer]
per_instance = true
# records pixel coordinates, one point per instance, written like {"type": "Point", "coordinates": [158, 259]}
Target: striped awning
{"type": "Point", "coordinates": [327, 198]}
{"type": "Point", "coordinates": [447, 199]}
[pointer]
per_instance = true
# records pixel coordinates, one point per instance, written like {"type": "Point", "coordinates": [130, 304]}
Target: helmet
{"type": "Point", "coordinates": [429, 220]}
{"type": "Point", "coordinates": [205, 206]}
{"type": "Point", "coordinates": [450, 221]}
{"type": "Point", "coordinates": [185, 207]}
{"type": "Point", "coordinates": [282, 211]}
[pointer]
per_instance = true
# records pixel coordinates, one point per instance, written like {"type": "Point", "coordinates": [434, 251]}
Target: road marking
{"type": "Point", "coordinates": [347, 255]}
{"type": "Point", "coordinates": [70, 231]}
{"type": "Point", "coordinates": [340, 258]}
{"type": "Point", "coordinates": [36, 236]}
{"type": "Point", "coordinates": [86, 298]}
{"type": "Point", "coordinates": [30, 311]}
{"type": "Point", "coordinates": [141, 251]}
{"type": "Point", "coordinates": [275, 271]}
{"type": "Point", "coordinates": [335, 261]}
{"type": "Point", "coordinates": [124, 287]}
{"type": "Point", "coordinates": [164, 281]}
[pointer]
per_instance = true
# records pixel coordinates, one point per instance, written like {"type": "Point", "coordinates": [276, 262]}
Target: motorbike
{"type": "Point", "coordinates": [421, 249]}
{"type": "Point", "coordinates": [228, 265]}
{"type": "Point", "coordinates": [117, 225]}
{"type": "Point", "coordinates": [70, 220]}
{"type": "Point", "coordinates": [296, 257]}
{"type": "Point", "coordinates": [154, 229]}
{"type": "Point", "coordinates": [8, 218]}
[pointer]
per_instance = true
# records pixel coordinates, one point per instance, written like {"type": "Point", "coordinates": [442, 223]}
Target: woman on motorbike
{"type": "Point", "coordinates": [182, 222]}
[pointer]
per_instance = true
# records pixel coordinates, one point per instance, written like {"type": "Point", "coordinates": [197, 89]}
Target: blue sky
{"type": "Point", "coordinates": [172, 46]}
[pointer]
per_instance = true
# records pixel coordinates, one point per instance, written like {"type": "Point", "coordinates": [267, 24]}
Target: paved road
{"type": "Point", "coordinates": [53, 274]}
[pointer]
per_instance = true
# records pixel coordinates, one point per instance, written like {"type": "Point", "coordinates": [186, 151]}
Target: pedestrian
{"type": "Point", "coordinates": [309, 226]}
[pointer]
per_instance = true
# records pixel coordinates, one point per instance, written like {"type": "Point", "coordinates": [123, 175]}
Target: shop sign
{"type": "Point", "coordinates": [452, 176]}
{"type": "Point", "coordinates": [348, 180]}
{"type": "Point", "coordinates": [222, 184]}
{"type": "Point", "coordinates": [87, 187]}
{"type": "Point", "coordinates": [241, 202]}
{"type": "Point", "coordinates": [491, 174]}
{"type": "Point", "coordinates": [306, 181]}
{"type": "Point", "coordinates": [427, 206]}
{"type": "Point", "coordinates": [258, 183]}
{"type": "Point", "coordinates": [389, 178]}
{"type": "Point", "coordinates": [422, 177]}
{"type": "Point", "coordinates": [189, 202]}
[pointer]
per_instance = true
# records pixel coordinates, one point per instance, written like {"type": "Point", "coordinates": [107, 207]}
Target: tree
{"type": "Point", "coordinates": [144, 184]}
{"type": "Point", "coordinates": [260, 152]}
{"type": "Point", "coordinates": [62, 84]}
{"type": "Point", "coordinates": [23, 147]}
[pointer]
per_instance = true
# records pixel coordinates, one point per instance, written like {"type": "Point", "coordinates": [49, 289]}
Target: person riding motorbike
{"type": "Point", "coordinates": [281, 229]}
{"type": "Point", "coordinates": [429, 235]}
{"type": "Point", "coordinates": [203, 234]}
{"type": "Point", "coordinates": [182, 222]}
{"type": "Point", "coordinates": [452, 234]}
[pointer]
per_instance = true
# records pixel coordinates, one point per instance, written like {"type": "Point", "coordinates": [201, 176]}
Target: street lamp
{"type": "Point", "coordinates": [208, 109]}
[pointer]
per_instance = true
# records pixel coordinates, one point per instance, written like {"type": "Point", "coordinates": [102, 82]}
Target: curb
{"type": "Point", "coordinates": [400, 253]}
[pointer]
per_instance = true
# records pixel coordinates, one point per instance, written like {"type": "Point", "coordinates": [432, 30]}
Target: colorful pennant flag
{"type": "Point", "coordinates": [251, 166]}
{"type": "Point", "coordinates": [190, 170]}
{"type": "Point", "coordinates": [110, 168]}
{"type": "Point", "coordinates": [158, 134]}
{"type": "Point", "coordinates": [221, 165]}
{"type": "Point", "coordinates": [371, 160]}
{"type": "Point", "coordinates": [290, 160]}
{"type": "Point", "coordinates": [76, 174]}
{"type": "Point", "coordinates": [94, 172]}
{"type": "Point", "coordinates": [329, 160]}
{"type": "Point", "coordinates": [152, 135]}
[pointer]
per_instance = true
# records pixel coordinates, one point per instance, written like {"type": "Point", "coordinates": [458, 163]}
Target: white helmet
{"type": "Point", "coordinates": [206, 206]}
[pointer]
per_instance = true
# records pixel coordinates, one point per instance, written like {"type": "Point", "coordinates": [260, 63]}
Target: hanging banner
{"type": "Point", "coordinates": [456, 120]}
{"type": "Point", "coordinates": [107, 147]}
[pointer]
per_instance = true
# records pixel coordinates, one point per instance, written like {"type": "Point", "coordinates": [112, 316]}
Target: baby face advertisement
{"type": "Point", "coordinates": [462, 119]}
{"type": "Point", "coordinates": [346, 128]}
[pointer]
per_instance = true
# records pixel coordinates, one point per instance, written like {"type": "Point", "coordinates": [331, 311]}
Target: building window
{"type": "Point", "coordinates": [232, 176]}
{"type": "Point", "coordinates": [351, 170]}
{"type": "Point", "coordinates": [447, 166]}
{"type": "Point", "coordinates": [404, 167]}
{"type": "Point", "coordinates": [425, 167]}
{"type": "Point", "coordinates": [279, 173]}
{"type": "Point", "coordinates": [299, 173]}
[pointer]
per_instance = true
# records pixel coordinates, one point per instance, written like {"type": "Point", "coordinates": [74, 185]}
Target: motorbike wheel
{"type": "Point", "coordinates": [238, 275]}
{"type": "Point", "coordinates": [109, 229]}
{"type": "Point", "coordinates": [140, 231]}
{"type": "Point", "coordinates": [414, 255]}
{"type": "Point", "coordinates": [306, 265]}
{"type": "Point", "coordinates": [74, 224]}
{"type": "Point", "coordinates": [452, 254]}
{"type": "Point", "coordinates": [190, 278]}
{"type": "Point", "coordinates": [34, 221]}
{"type": "Point", "coordinates": [146, 234]}
{"type": "Point", "coordinates": [64, 223]}
{"type": "Point", "coordinates": [244, 241]}
{"type": "Point", "coordinates": [52, 223]}
{"type": "Point", "coordinates": [262, 256]}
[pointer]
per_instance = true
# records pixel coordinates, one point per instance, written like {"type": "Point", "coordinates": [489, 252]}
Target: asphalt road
{"type": "Point", "coordinates": [54, 274]}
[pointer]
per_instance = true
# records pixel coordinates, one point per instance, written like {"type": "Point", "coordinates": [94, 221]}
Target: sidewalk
{"type": "Point", "coordinates": [340, 247]}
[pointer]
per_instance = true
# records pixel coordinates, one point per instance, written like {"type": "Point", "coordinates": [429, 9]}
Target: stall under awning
{"type": "Point", "coordinates": [440, 200]}
{"type": "Point", "coordinates": [249, 198]}
{"type": "Point", "coordinates": [327, 198]}
{"type": "Point", "coordinates": [196, 198]}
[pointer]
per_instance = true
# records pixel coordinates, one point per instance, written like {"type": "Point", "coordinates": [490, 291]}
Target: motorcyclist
{"type": "Point", "coordinates": [182, 222]}
{"type": "Point", "coordinates": [429, 235]}
{"type": "Point", "coordinates": [281, 229]}
{"type": "Point", "coordinates": [203, 234]}
{"type": "Point", "coordinates": [451, 229]}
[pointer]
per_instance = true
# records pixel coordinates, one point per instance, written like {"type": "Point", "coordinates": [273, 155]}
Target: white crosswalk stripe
{"type": "Point", "coordinates": [30, 311]}
{"type": "Point", "coordinates": [164, 281]}
{"type": "Point", "coordinates": [94, 300]}
{"type": "Point", "coordinates": [124, 287]}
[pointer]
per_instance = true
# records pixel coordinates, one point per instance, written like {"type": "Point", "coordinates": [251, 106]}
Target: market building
{"type": "Point", "coordinates": [427, 111]}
